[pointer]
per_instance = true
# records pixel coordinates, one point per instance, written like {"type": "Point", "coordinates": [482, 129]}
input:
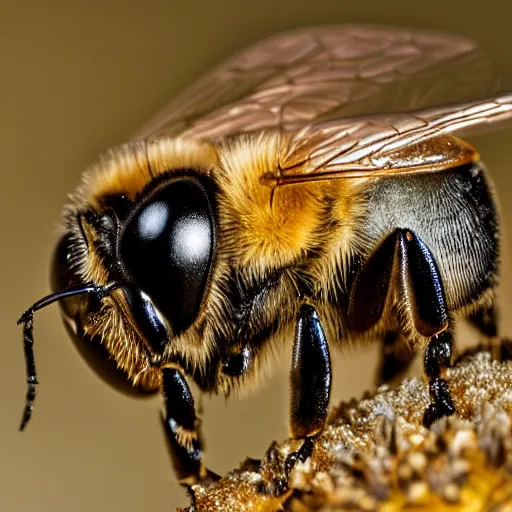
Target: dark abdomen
{"type": "Point", "coordinates": [454, 213]}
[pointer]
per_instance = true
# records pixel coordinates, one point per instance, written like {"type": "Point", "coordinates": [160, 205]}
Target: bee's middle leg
{"type": "Point", "coordinates": [404, 263]}
{"type": "Point", "coordinates": [310, 376]}
{"type": "Point", "coordinates": [310, 382]}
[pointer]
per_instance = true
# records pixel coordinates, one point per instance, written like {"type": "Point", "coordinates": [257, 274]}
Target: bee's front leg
{"type": "Point", "coordinates": [310, 376]}
{"type": "Point", "coordinates": [181, 427]}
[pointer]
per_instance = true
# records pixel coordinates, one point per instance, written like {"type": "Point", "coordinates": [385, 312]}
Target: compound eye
{"type": "Point", "coordinates": [61, 275]}
{"type": "Point", "coordinates": [167, 247]}
{"type": "Point", "coordinates": [75, 310]}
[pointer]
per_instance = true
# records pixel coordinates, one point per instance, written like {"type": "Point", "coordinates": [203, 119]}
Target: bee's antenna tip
{"type": "Point", "coordinates": [25, 317]}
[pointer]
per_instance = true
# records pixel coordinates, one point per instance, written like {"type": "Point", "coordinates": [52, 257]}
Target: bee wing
{"type": "Point", "coordinates": [319, 74]}
{"type": "Point", "coordinates": [387, 143]}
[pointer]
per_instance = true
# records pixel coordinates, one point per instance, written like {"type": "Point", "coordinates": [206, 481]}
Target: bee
{"type": "Point", "coordinates": [274, 203]}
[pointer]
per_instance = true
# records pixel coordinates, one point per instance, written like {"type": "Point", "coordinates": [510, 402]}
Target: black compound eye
{"type": "Point", "coordinates": [61, 275]}
{"type": "Point", "coordinates": [75, 312]}
{"type": "Point", "coordinates": [167, 247]}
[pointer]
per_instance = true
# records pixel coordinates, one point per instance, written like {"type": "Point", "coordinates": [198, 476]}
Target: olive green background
{"type": "Point", "coordinates": [76, 78]}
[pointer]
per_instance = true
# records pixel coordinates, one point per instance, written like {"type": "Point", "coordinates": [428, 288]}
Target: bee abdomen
{"type": "Point", "coordinates": [455, 214]}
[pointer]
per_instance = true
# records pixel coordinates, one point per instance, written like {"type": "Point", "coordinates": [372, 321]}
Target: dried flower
{"type": "Point", "coordinates": [375, 455]}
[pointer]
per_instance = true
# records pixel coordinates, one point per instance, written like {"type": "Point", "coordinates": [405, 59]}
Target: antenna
{"type": "Point", "coordinates": [27, 319]}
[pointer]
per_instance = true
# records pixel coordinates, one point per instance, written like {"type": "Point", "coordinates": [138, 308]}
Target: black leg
{"type": "Point", "coordinates": [403, 263]}
{"type": "Point", "coordinates": [392, 366]}
{"type": "Point", "coordinates": [369, 293]}
{"type": "Point", "coordinates": [310, 376]}
{"type": "Point", "coordinates": [430, 317]}
{"type": "Point", "coordinates": [402, 260]}
{"type": "Point", "coordinates": [424, 285]}
{"type": "Point", "coordinates": [181, 427]}
{"type": "Point", "coordinates": [437, 358]}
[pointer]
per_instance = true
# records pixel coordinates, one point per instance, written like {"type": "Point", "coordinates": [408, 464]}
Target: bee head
{"type": "Point", "coordinates": [131, 273]}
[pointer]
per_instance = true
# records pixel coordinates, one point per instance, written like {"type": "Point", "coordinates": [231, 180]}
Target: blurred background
{"type": "Point", "coordinates": [78, 77]}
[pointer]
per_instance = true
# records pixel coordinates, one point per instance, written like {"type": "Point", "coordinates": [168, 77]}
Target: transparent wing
{"type": "Point", "coordinates": [314, 75]}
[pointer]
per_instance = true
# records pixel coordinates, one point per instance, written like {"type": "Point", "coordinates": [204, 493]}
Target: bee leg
{"type": "Point", "coordinates": [310, 376]}
{"type": "Point", "coordinates": [429, 315]}
{"type": "Point", "coordinates": [369, 297]}
{"type": "Point", "coordinates": [437, 359]}
{"type": "Point", "coordinates": [392, 367]}
{"type": "Point", "coordinates": [404, 261]}
{"type": "Point", "coordinates": [401, 261]}
{"type": "Point", "coordinates": [181, 427]}
{"type": "Point", "coordinates": [372, 285]}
